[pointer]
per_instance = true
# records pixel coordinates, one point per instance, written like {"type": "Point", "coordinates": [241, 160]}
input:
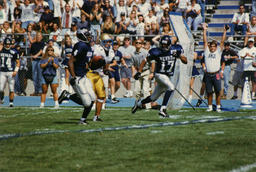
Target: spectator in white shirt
{"type": "Point", "coordinates": [248, 54]}
{"type": "Point", "coordinates": [194, 17]}
{"type": "Point", "coordinates": [144, 7]}
{"type": "Point", "coordinates": [251, 30]}
{"type": "Point", "coordinates": [57, 10]}
{"type": "Point", "coordinates": [151, 19]}
{"type": "Point", "coordinates": [240, 21]}
{"type": "Point", "coordinates": [182, 6]}
{"type": "Point", "coordinates": [120, 9]}
{"type": "Point", "coordinates": [3, 14]}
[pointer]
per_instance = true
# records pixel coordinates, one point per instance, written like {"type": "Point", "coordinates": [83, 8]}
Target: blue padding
{"type": "Point", "coordinates": [175, 13]}
{"type": "Point", "coordinates": [218, 24]}
{"type": "Point", "coordinates": [228, 7]}
{"type": "Point", "coordinates": [218, 34]}
{"type": "Point", "coordinates": [222, 16]}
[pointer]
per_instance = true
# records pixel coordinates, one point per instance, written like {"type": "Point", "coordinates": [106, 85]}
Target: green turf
{"type": "Point", "coordinates": [190, 148]}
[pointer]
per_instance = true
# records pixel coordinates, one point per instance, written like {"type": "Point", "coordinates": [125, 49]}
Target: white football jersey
{"type": "Point", "coordinates": [98, 50]}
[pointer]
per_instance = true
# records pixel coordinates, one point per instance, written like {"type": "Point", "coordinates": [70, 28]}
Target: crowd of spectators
{"type": "Point", "coordinates": [33, 24]}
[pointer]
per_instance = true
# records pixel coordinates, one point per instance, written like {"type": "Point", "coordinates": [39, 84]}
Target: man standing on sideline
{"type": "Point", "coordinates": [9, 67]}
{"type": "Point", "coordinates": [36, 54]}
{"type": "Point", "coordinates": [126, 70]}
{"type": "Point", "coordinates": [142, 85]}
{"type": "Point", "coordinates": [213, 65]}
{"type": "Point", "coordinates": [229, 56]}
{"type": "Point", "coordinates": [248, 55]}
{"type": "Point", "coordinates": [78, 67]}
{"type": "Point", "coordinates": [162, 61]}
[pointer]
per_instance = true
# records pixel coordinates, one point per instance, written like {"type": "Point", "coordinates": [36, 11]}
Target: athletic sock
{"type": "Point", "coordinates": [87, 110]}
{"type": "Point", "coordinates": [42, 104]}
{"type": "Point", "coordinates": [162, 108]}
{"type": "Point", "coordinates": [56, 103]}
{"type": "Point", "coordinates": [167, 96]}
{"type": "Point", "coordinates": [1, 95]}
{"type": "Point", "coordinates": [75, 98]}
{"type": "Point", "coordinates": [146, 100]}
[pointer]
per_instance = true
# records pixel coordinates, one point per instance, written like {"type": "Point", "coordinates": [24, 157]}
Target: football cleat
{"type": "Point", "coordinates": [97, 119]}
{"type": "Point", "coordinates": [11, 104]}
{"type": "Point", "coordinates": [63, 96]}
{"type": "Point", "coordinates": [199, 102]}
{"type": "Point", "coordinates": [234, 97]}
{"type": "Point", "coordinates": [136, 106]}
{"type": "Point", "coordinates": [114, 100]}
{"type": "Point", "coordinates": [163, 114]}
{"type": "Point", "coordinates": [82, 122]}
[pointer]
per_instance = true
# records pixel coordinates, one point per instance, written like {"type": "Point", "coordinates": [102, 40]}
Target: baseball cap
{"type": "Point", "coordinates": [251, 40]}
{"type": "Point", "coordinates": [115, 42]}
{"type": "Point", "coordinates": [122, 14]}
{"type": "Point", "coordinates": [73, 24]}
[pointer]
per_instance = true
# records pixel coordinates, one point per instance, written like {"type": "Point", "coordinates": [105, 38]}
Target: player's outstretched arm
{"type": "Point", "coordinates": [205, 35]}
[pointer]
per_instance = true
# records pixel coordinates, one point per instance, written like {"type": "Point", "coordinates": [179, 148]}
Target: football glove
{"type": "Point", "coordinates": [72, 81]}
{"type": "Point", "coordinates": [137, 75]}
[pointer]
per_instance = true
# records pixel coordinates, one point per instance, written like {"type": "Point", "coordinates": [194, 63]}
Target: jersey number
{"type": "Point", "coordinates": [8, 63]}
{"type": "Point", "coordinates": [166, 66]}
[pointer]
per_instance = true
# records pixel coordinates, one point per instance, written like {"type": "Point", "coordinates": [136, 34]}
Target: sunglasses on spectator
{"type": "Point", "coordinates": [50, 50]}
{"type": "Point", "coordinates": [138, 43]}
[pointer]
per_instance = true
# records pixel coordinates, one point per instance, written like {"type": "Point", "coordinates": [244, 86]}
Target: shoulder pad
{"type": "Point", "coordinates": [154, 52]}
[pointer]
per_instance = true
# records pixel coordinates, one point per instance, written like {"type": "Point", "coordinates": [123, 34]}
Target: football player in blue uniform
{"type": "Point", "coordinates": [9, 67]}
{"type": "Point", "coordinates": [162, 61]}
{"type": "Point", "coordinates": [78, 67]}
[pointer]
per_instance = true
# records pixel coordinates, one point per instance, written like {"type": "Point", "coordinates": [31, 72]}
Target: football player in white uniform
{"type": "Point", "coordinates": [99, 80]}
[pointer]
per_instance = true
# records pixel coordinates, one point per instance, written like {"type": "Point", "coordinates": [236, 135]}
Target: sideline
{"type": "Point", "coordinates": [162, 124]}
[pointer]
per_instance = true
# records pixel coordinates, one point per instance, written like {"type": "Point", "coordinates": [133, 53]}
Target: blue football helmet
{"type": "Point", "coordinates": [106, 41]}
{"type": "Point", "coordinates": [165, 42]}
{"type": "Point", "coordinates": [84, 35]}
{"type": "Point", "coordinates": [7, 43]}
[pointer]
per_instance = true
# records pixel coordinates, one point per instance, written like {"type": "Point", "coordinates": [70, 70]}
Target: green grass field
{"type": "Point", "coordinates": [215, 146]}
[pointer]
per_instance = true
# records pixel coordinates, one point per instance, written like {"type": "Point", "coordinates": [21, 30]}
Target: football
{"type": "Point", "coordinates": [97, 62]}
{"type": "Point", "coordinates": [95, 59]}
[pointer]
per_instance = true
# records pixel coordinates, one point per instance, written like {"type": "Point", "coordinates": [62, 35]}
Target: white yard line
{"type": "Point", "coordinates": [215, 133]}
{"type": "Point", "coordinates": [143, 126]}
{"type": "Point", "coordinates": [244, 168]}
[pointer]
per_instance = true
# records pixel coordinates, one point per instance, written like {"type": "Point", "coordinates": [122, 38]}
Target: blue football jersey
{"type": "Point", "coordinates": [165, 60]}
{"type": "Point", "coordinates": [118, 57]}
{"type": "Point", "coordinates": [68, 49]}
{"type": "Point", "coordinates": [82, 52]}
{"type": "Point", "coordinates": [8, 60]}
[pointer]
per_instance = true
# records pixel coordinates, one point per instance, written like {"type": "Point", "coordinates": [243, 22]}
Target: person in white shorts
{"type": "Point", "coordinates": [9, 67]}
